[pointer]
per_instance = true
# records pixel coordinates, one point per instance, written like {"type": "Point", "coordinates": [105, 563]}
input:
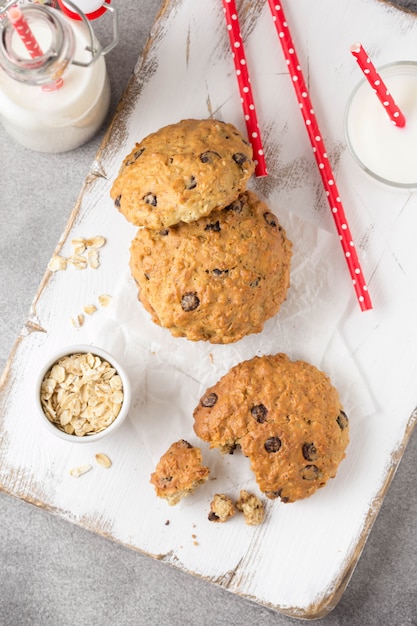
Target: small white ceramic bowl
{"type": "Point", "coordinates": [104, 355]}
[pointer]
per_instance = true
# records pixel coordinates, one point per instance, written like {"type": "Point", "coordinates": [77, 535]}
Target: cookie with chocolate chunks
{"type": "Point", "coordinates": [287, 418]}
{"type": "Point", "coordinates": [218, 278]}
{"type": "Point", "coordinates": [182, 172]}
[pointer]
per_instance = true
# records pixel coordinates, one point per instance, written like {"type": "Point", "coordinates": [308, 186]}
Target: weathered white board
{"type": "Point", "coordinates": [301, 558]}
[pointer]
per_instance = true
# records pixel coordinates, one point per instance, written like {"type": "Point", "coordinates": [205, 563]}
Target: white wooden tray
{"type": "Point", "coordinates": [300, 560]}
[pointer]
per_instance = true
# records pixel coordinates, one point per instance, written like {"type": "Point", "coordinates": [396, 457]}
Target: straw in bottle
{"type": "Point", "coordinates": [244, 84]}
{"type": "Point", "coordinates": [378, 85]}
{"type": "Point", "coordinates": [319, 150]}
{"type": "Point", "coordinates": [21, 26]}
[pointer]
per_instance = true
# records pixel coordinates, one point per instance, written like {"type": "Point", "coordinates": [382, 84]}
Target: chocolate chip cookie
{"type": "Point", "coordinates": [182, 172]}
{"type": "Point", "coordinates": [218, 278]}
{"type": "Point", "coordinates": [287, 418]}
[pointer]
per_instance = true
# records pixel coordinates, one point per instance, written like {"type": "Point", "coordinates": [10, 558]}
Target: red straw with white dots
{"type": "Point", "coordinates": [320, 154]}
{"type": "Point", "coordinates": [22, 28]}
{"type": "Point", "coordinates": [245, 89]}
{"type": "Point", "coordinates": [378, 85]}
{"type": "Point", "coordinates": [19, 23]}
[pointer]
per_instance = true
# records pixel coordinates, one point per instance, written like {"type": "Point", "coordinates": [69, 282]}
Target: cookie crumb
{"type": "Point", "coordinates": [221, 508]}
{"type": "Point", "coordinates": [252, 508]}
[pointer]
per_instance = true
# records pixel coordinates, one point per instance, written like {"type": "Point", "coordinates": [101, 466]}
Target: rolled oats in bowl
{"type": "Point", "coordinates": [83, 393]}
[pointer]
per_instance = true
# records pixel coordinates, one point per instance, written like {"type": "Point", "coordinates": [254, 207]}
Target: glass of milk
{"type": "Point", "coordinates": [384, 151]}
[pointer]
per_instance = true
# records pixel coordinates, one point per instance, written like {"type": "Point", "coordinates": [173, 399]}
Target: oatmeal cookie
{"type": "Point", "coordinates": [182, 172]}
{"type": "Point", "coordinates": [179, 472]}
{"type": "Point", "coordinates": [216, 279]}
{"type": "Point", "coordinates": [287, 418]}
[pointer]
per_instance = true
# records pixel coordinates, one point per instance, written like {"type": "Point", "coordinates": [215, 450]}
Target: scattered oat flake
{"type": "Point", "coordinates": [80, 470]}
{"type": "Point", "coordinates": [103, 460]}
{"type": "Point", "coordinates": [78, 261]}
{"type": "Point", "coordinates": [95, 242]}
{"type": "Point", "coordinates": [78, 245]}
{"type": "Point", "coordinates": [89, 309]}
{"type": "Point", "coordinates": [57, 263]}
{"type": "Point", "coordinates": [77, 321]}
{"type": "Point", "coordinates": [93, 256]}
{"type": "Point", "coordinates": [104, 299]}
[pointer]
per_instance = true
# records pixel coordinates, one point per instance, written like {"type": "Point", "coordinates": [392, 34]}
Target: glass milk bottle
{"type": "Point", "coordinates": [54, 88]}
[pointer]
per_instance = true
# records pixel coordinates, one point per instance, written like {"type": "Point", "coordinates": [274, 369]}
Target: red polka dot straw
{"type": "Point", "coordinates": [378, 85]}
{"type": "Point", "coordinates": [245, 89]}
{"type": "Point", "coordinates": [320, 154]}
{"type": "Point", "coordinates": [22, 28]}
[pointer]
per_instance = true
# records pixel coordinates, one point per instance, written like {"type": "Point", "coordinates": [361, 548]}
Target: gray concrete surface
{"type": "Point", "coordinates": [53, 573]}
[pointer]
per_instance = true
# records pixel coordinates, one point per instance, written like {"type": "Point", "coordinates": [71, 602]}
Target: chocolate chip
{"type": "Point", "coordinates": [164, 232]}
{"type": "Point", "coordinates": [150, 198]}
{"type": "Point", "coordinates": [190, 301]}
{"type": "Point", "coordinates": [272, 444]}
{"type": "Point", "coordinates": [166, 479]}
{"type": "Point", "coordinates": [134, 156]}
{"type": "Point", "coordinates": [239, 158]}
{"type": "Point", "coordinates": [276, 494]}
{"type": "Point", "coordinates": [218, 272]}
{"type": "Point", "coordinates": [270, 219]}
{"type": "Point", "coordinates": [212, 517]}
{"type": "Point", "coordinates": [185, 444]}
{"type": "Point", "coordinates": [208, 157]}
{"type": "Point", "coordinates": [342, 420]}
{"type": "Point", "coordinates": [209, 400]}
{"type": "Point", "coordinates": [214, 227]}
{"type": "Point", "coordinates": [255, 283]}
{"type": "Point", "coordinates": [259, 412]}
{"type": "Point", "coordinates": [191, 183]}
{"type": "Point", "coordinates": [310, 472]}
{"type": "Point", "coordinates": [235, 206]}
{"type": "Point", "coordinates": [147, 276]}
{"type": "Point", "coordinates": [309, 452]}
{"type": "Point", "coordinates": [117, 201]}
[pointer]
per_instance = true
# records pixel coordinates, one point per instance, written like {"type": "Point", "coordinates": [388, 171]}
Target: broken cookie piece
{"type": "Point", "coordinates": [221, 508]}
{"type": "Point", "coordinates": [179, 472]}
{"type": "Point", "coordinates": [252, 508]}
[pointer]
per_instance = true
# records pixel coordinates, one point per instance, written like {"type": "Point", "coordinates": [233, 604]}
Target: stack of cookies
{"type": "Point", "coordinates": [212, 263]}
{"type": "Point", "coordinates": [210, 259]}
